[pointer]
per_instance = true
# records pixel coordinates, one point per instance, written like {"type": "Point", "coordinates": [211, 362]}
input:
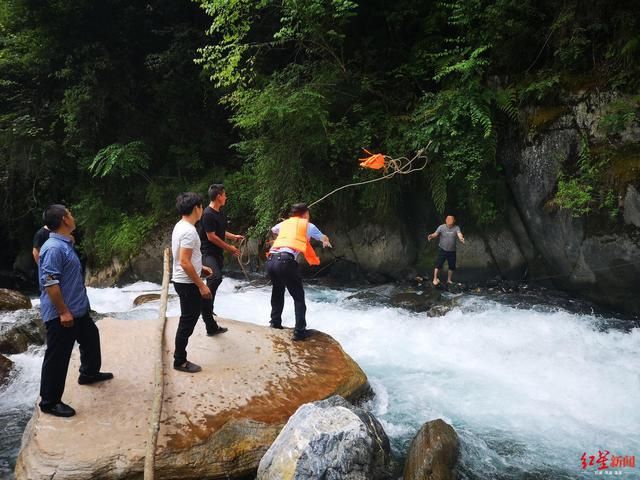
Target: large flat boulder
{"type": "Point", "coordinates": [215, 424]}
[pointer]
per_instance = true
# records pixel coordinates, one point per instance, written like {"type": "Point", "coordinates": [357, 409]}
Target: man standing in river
{"type": "Point", "coordinates": [448, 233]}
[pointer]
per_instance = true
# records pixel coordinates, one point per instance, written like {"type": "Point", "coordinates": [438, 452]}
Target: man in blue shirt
{"type": "Point", "coordinates": [64, 307]}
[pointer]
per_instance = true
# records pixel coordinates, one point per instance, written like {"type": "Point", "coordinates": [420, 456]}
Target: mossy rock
{"type": "Point", "coordinates": [542, 117]}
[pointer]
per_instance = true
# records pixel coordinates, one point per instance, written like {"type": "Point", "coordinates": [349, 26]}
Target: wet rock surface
{"type": "Point", "coordinates": [20, 329]}
{"type": "Point", "coordinates": [5, 369]}
{"type": "Point", "coordinates": [433, 453]}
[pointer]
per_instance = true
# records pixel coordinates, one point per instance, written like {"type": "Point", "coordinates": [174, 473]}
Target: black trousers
{"type": "Point", "coordinates": [60, 341]}
{"type": "Point", "coordinates": [190, 304]}
{"type": "Point", "coordinates": [450, 257]}
{"type": "Point", "coordinates": [284, 273]}
{"type": "Point", "coordinates": [213, 282]}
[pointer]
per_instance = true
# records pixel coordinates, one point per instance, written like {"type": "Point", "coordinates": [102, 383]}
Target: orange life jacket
{"type": "Point", "coordinates": [293, 235]}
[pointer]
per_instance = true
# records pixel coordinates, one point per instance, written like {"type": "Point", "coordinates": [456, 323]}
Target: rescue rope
{"type": "Point", "coordinates": [392, 167]}
{"type": "Point", "coordinates": [603, 269]}
{"type": "Point", "coordinates": [395, 166]}
{"type": "Point", "coordinates": [158, 391]}
{"type": "Point", "coordinates": [243, 248]}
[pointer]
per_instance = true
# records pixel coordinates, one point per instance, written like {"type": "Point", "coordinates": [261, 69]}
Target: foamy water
{"type": "Point", "coordinates": [528, 390]}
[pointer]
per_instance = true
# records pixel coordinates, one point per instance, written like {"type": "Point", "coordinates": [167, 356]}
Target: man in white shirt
{"type": "Point", "coordinates": [187, 267]}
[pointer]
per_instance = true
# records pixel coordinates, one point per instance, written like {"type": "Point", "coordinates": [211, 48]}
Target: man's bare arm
{"type": "Point", "coordinates": [186, 264]}
{"type": "Point", "coordinates": [233, 236]}
{"type": "Point", "coordinates": [433, 235]}
{"type": "Point", "coordinates": [461, 237]}
{"type": "Point", "coordinates": [55, 294]}
{"type": "Point", "coordinates": [217, 241]}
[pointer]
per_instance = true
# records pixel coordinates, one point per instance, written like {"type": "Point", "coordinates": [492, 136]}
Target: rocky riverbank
{"type": "Point", "coordinates": [215, 424]}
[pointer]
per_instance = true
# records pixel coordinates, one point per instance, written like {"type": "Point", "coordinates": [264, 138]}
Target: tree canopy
{"type": "Point", "coordinates": [114, 107]}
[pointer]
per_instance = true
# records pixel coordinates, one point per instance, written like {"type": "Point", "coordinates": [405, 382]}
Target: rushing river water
{"type": "Point", "coordinates": [528, 390]}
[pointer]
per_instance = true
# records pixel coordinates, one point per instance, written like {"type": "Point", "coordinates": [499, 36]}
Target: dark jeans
{"type": "Point", "coordinates": [190, 304]}
{"type": "Point", "coordinates": [450, 257]}
{"type": "Point", "coordinates": [283, 272]}
{"type": "Point", "coordinates": [213, 282]}
{"type": "Point", "coordinates": [60, 341]}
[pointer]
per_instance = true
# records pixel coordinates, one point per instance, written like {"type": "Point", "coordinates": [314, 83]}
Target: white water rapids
{"type": "Point", "coordinates": [528, 390]}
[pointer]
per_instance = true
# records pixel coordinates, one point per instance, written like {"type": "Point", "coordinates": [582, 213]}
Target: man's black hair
{"type": "Point", "coordinates": [53, 215]}
{"type": "Point", "coordinates": [187, 201]}
{"type": "Point", "coordinates": [215, 189]}
{"type": "Point", "coordinates": [298, 209]}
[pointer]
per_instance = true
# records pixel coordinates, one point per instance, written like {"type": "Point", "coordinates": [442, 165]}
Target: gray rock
{"type": "Point", "coordinates": [417, 301]}
{"type": "Point", "coordinates": [25, 329]}
{"type": "Point", "coordinates": [371, 248]}
{"type": "Point", "coordinates": [506, 253]}
{"type": "Point", "coordinates": [632, 207]}
{"type": "Point", "coordinates": [433, 453]}
{"type": "Point", "coordinates": [146, 298]}
{"type": "Point", "coordinates": [329, 439]}
{"type": "Point", "coordinates": [13, 300]}
{"type": "Point", "coordinates": [474, 260]}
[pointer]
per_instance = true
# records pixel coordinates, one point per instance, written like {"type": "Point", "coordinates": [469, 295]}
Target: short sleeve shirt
{"type": "Point", "coordinates": [60, 265]}
{"type": "Point", "coordinates": [312, 232]}
{"type": "Point", "coordinates": [185, 235]}
{"type": "Point", "coordinates": [215, 222]}
{"type": "Point", "coordinates": [448, 237]}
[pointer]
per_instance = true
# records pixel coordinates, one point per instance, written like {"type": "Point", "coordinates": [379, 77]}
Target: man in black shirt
{"type": "Point", "coordinates": [39, 238]}
{"type": "Point", "coordinates": [213, 233]}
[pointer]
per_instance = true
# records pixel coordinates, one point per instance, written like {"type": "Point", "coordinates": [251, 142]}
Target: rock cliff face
{"type": "Point", "coordinates": [591, 257]}
{"type": "Point", "coordinates": [215, 424]}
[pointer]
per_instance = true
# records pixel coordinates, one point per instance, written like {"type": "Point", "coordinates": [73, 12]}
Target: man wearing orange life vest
{"type": "Point", "coordinates": [282, 266]}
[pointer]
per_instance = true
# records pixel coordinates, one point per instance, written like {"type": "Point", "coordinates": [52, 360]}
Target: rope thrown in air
{"type": "Point", "coordinates": [390, 166]}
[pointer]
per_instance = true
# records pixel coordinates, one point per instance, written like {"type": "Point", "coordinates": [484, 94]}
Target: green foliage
{"type": "Point", "coordinates": [574, 195]}
{"type": "Point", "coordinates": [620, 115]}
{"type": "Point", "coordinates": [122, 238]}
{"type": "Point", "coordinates": [103, 104]}
{"type": "Point", "coordinates": [120, 160]}
{"type": "Point", "coordinates": [583, 190]}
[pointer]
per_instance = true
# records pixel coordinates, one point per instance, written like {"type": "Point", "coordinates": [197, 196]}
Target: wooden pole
{"type": "Point", "coordinates": [158, 393]}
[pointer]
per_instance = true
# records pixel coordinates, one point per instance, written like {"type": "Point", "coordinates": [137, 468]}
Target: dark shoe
{"type": "Point", "coordinates": [98, 377]}
{"type": "Point", "coordinates": [276, 325]}
{"type": "Point", "coordinates": [58, 409]}
{"type": "Point", "coordinates": [188, 367]}
{"type": "Point", "coordinates": [217, 332]}
{"type": "Point", "coordinates": [303, 335]}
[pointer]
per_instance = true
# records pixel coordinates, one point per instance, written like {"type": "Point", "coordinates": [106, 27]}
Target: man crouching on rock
{"type": "Point", "coordinates": [64, 307]}
{"type": "Point", "coordinates": [187, 265]}
{"type": "Point", "coordinates": [282, 265]}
